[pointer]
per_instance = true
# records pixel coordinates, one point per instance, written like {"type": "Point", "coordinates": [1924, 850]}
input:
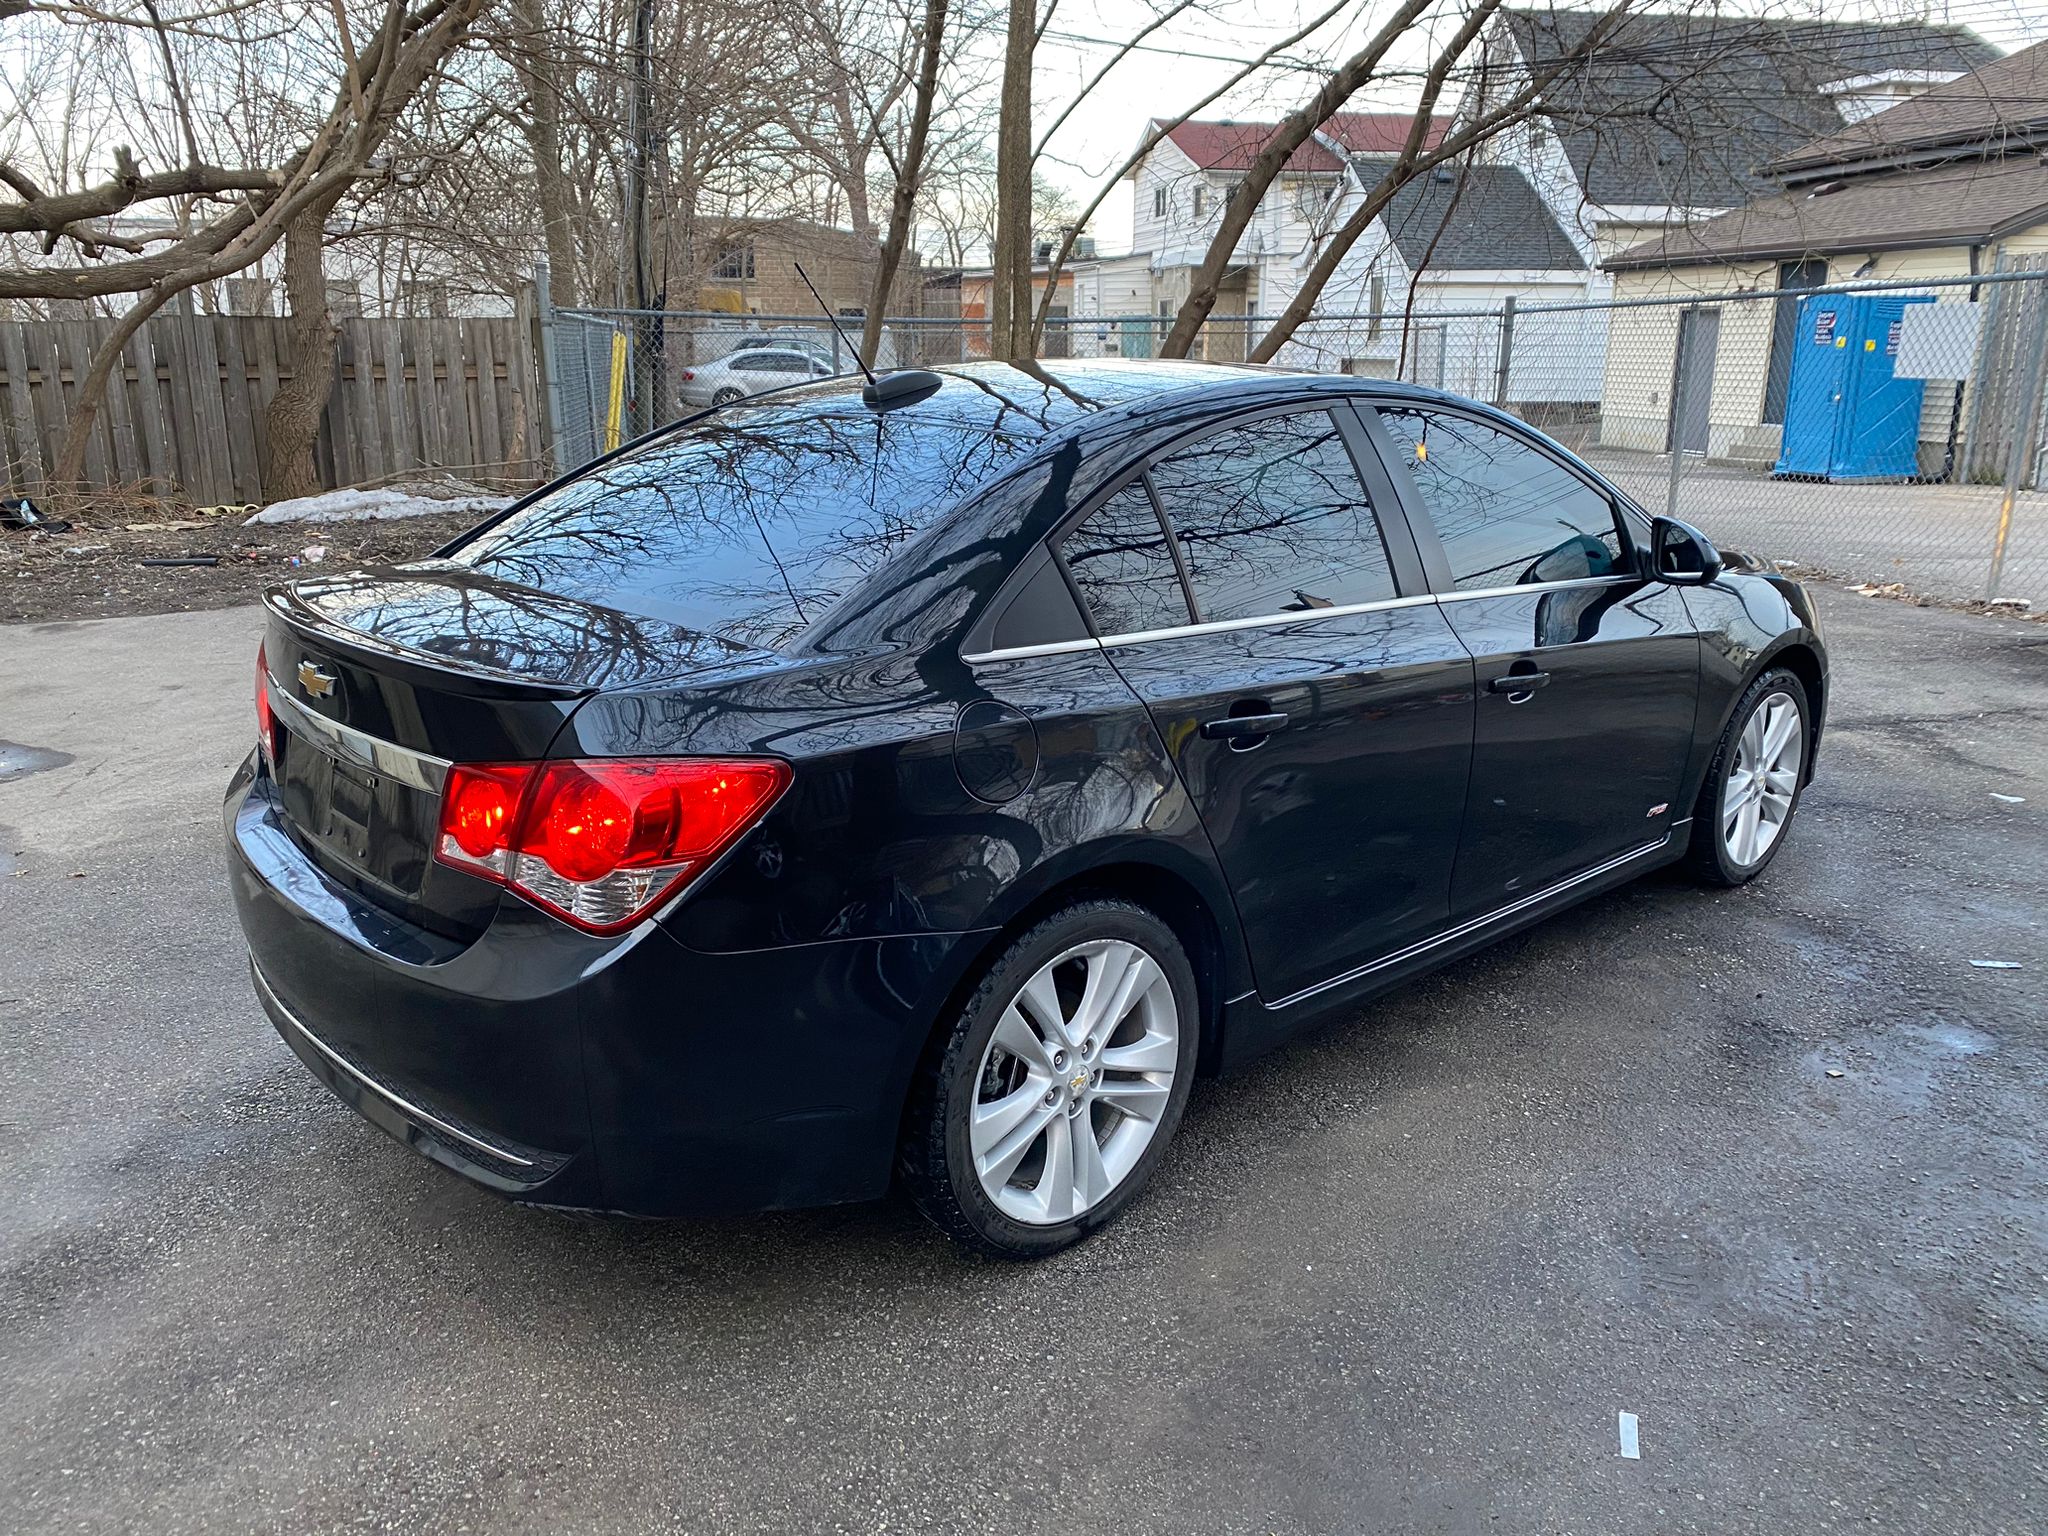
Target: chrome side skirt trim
{"type": "Point", "coordinates": [1472, 925]}
{"type": "Point", "coordinates": [404, 1106]}
{"type": "Point", "coordinates": [387, 758]}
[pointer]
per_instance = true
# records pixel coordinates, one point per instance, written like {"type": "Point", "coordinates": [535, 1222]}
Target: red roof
{"type": "Point", "coordinates": [1233, 147]}
{"type": "Point", "coordinates": [1381, 133]}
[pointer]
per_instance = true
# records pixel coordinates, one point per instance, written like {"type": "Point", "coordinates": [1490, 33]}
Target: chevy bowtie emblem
{"type": "Point", "coordinates": [316, 682]}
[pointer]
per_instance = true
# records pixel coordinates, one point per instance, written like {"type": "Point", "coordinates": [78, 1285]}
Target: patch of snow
{"type": "Point", "coordinates": [349, 505]}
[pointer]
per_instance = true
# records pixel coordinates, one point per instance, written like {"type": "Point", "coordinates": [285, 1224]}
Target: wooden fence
{"type": "Point", "coordinates": [183, 417]}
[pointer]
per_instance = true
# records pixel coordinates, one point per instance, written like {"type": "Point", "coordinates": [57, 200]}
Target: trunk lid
{"type": "Point", "coordinates": [380, 679]}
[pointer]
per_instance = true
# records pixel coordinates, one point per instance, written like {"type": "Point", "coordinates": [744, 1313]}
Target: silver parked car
{"type": "Point", "coordinates": [749, 371]}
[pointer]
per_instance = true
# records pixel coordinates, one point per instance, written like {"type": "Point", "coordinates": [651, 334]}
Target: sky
{"type": "Point", "coordinates": [1189, 56]}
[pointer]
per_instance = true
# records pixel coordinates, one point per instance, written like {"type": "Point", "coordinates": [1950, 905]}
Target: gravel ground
{"type": "Point", "coordinates": [1767, 1168]}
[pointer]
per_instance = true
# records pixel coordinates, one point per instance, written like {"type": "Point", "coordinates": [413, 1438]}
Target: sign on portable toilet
{"type": "Point", "coordinates": [1848, 415]}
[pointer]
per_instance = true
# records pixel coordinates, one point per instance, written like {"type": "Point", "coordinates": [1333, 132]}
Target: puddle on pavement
{"type": "Point", "coordinates": [18, 761]}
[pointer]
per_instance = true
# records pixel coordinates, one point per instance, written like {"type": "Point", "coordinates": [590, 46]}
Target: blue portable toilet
{"type": "Point", "coordinates": [1846, 416]}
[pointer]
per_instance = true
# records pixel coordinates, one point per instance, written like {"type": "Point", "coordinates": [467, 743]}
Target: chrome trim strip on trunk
{"type": "Point", "coordinates": [404, 1106]}
{"type": "Point", "coordinates": [1472, 925]}
{"type": "Point", "coordinates": [417, 769]}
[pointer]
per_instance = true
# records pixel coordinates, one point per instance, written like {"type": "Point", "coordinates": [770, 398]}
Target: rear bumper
{"type": "Point", "coordinates": [628, 1074]}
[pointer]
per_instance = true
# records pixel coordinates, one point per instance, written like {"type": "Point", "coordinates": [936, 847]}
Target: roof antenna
{"type": "Point", "coordinates": [901, 386]}
{"type": "Point", "coordinates": [833, 321]}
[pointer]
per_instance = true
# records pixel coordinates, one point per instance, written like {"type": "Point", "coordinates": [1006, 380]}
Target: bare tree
{"type": "Point", "coordinates": [251, 207]}
{"type": "Point", "coordinates": [908, 168]}
{"type": "Point", "coordinates": [1010, 288]}
{"type": "Point", "coordinates": [536, 51]}
{"type": "Point", "coordinates": [1151, 140]}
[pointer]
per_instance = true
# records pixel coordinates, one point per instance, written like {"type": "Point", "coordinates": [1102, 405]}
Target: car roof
{"type": "Point", "coordinates": [1037, 399]}
{"type": "Point", "coordinates": [1035, 404]}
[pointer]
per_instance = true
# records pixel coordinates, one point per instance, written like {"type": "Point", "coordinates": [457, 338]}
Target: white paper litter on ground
{"type": "Point", "coordinates": [1631, 1449]}
{"type": "Point", "coordinates": [349, 505]}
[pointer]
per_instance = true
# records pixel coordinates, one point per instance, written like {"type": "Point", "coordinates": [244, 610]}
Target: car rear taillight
{"type": "Point", "coordinates": [601, 842]}
{"type": "Point", "coordinates": [689, 374]}
{"type": "Point", "coordinates": [264, 727]}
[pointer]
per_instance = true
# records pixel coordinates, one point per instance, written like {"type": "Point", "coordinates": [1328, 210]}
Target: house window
{"type": "Point", "coordinates": [735, 263]}
{"type": "Point", "coordinates": [1377, 323]}
{"type": "Point", "coordinates": [1313, 201]}
{"type": "Point", "coordinates": [1159, 202]}
{"type": "Point", "coordinates": [1200, 198]}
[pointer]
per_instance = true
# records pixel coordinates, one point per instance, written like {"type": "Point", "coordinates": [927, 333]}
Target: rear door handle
{"type": "Point", "coordinates": [1243, 727]}
{"type": "Point", "coordinates": [1518, 682]}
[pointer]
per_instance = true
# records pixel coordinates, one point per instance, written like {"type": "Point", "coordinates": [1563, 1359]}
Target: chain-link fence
{"type": "Point", "coordinates": [1879, 432]}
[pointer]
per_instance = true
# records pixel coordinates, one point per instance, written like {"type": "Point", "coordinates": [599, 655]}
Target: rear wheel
{"type": "Point", "coordinates": [728, 396]}
{"type": "Point", "coordinates": [1059, 1084]}
{"type": "Point", "coordinates": [1752, 789]}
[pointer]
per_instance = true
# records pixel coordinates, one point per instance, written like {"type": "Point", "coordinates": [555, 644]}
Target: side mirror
{"type": "Point", "coordinates": [1681, 554]}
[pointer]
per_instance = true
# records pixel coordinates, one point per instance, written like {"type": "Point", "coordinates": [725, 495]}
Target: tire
{"type": "Point", "coordinates": [1124, 1092]}
{"type": "Point", "coordinates": [728, 396]}
{"type": "Point", "coordinates": [1718, 849]}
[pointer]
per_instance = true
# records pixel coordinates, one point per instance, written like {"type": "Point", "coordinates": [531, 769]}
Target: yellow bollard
{"type": "Point", "coordinates": [615, 408]}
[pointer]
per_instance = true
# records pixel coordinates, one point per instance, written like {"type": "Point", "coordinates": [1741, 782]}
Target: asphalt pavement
{"type": "Point", "coordinates": [1767, 1169]}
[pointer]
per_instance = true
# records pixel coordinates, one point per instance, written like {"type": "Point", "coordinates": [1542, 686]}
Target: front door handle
{"type": "Point", "coordinates": [1518, 682]}
{"type": "Point", "coordinates": [1243, 727]}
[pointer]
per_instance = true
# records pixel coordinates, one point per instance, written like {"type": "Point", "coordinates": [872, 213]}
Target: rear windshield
{"type": "Point", "coordinates": [750, 524]}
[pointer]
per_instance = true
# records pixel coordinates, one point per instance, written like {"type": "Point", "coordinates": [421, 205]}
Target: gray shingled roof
{"type": "Point", "coordinates": [1960, 204]}
{"type": "Point", "coordinates": [1472, 218]}
{"type": "Point", "coordinates": [2002, 108]}
{"type": "Point", "coordinates": [1685, 110]}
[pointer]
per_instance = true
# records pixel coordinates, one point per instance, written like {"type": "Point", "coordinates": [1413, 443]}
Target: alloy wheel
{"type": "Point", "coordinates": [1074, 1081]}
{"type": "Point", "coordinates": [1756, 802]}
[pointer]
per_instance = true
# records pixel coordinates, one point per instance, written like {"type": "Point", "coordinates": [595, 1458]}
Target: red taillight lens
{"type": "Point", "coordinates": [601, 843]}
{"type": "Point", "coordinates": [264, 739]}
{"type": "Point", "coordinates": [478, 810]}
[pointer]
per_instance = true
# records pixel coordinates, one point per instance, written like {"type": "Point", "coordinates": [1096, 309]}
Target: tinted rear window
{"type": "Point", "coordinates": [749, 525]}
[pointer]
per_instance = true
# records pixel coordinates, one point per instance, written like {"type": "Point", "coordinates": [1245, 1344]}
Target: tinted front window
{"type": "Point", "coordinates": [1119, 560]}
{"type": "Point", "coordinates": [1507, 513]}
{"type": "Point", "coordinates": [748, 525]}
{"type": "Point", "coordinates": [1272, 518]}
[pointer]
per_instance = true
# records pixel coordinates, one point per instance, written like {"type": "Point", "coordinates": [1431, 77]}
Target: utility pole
{"type": "Point", "coordinates": [637, 277]}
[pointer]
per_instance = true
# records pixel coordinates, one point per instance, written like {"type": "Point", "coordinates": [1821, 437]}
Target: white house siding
{"type": "Point", "coordinates": [1113, 306]}
{"type": "Point", "coordinates": [1554, 359]}
{"type": "Point", "coordinates": [1351, 343]}
{"type": "Point", "coordinates": [1642, 351]}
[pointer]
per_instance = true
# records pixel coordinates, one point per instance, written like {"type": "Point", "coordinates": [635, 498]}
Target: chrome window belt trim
{"type": "Point", "coordinates": [1274, 620]}
{"type": "Point", "coordinates": [1472, 925]}
{"type": "Point", "coordinates": [403, 1105]}
{"type": "Point", "coordinates": [417, 769]}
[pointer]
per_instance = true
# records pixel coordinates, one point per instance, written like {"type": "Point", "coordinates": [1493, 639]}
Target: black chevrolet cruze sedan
{"type": "Point", "coordinates": [833, 788]}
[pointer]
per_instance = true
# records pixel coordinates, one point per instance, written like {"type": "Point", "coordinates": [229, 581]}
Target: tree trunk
{"type": "Point", "coordinates": [67, 475]}
{"type": "Point", "coordinates": [292, 418]}
{"type": "Point", "coordinates": [1293, 131]}
{"type": "Point", "coordinates": [533, 50]}
{"type": "Point", "coordinates": [909, 176]}
{"type": "Point", "coordinates": [1010, 283]}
